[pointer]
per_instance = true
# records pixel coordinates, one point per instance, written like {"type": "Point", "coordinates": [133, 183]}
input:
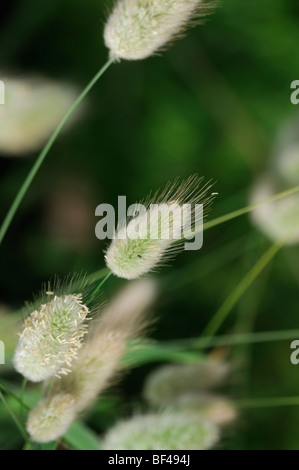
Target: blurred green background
{"type": "Point", "coordinates": [212, 104]}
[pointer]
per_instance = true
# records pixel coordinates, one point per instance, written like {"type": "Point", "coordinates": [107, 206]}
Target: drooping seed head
{"type": "Point", "coordinates": [51, 418]}
{"type": "Point", "coordinates": [51, 338]}
{"type": "Point", "coordinates": [159, 229]}
{"type": "Point", "coordinates": [163, 431]}
{"type": "Point", "coordinates": [136, 29]}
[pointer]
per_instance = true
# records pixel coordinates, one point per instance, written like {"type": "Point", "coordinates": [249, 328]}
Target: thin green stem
{"type": "Point", "coordinates": [96, 276]}
{"type": "Point", "coordinates": [245, 210]}
{"type": "Point", "coordinates": [222, 313]}
{"type": "Point", "coordinates": [25, 186]}
{"type": "Point", "coordinates": [267, 402]}
{"type": "Point", "coordinates": [14, 417]}
{"type": "Point", "coordinates": [13, 395]}
{"type": "Point", "coordinates": [236, 339]}
{"type": "Point", "coordinates": [23, 388]}
{"type": "Point", "coordinates": [100, 285]}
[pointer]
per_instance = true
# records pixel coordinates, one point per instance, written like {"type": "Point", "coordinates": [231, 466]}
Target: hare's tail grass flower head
{"type": "Point", "coordinates": [159, 229]}
{"type": "Point", "coordinates": [164, 431]}
{"type": "Point", "coordinates": [51, 338]}
{"type": "Point", "coordinates": [99, 360]}
{"type": "Point", "coordinates": [136, 29]}
{"type": "Point", "coordinates": [53, 332]}
{"type": "Point", "coordinates": [51, 418]}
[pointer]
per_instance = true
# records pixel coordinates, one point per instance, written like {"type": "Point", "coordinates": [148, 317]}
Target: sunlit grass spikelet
{"type": "Point", "coordinates": [155, 234]}
{"type": "Point", "coordinates": [137, 29]}
{"type": "Point", "coordinates": [51, 338]}
{"type": "Point", "coordinates": [165, 431]}
{"type": "Point", "coordinates": [279, 221]}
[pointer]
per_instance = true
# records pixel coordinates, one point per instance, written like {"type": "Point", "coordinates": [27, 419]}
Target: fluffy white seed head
{"type": "Point", "coordinates": [169, 383]}
{"type": "Point", "coordinates": [156, 233]}
{"type": "Point", "coordinates": [33, 106]}
{"type": "Point", "coordinates": [51, 418]}
{"type": "Point", "coordinates": [96, 364]}
{"type": "Point", "coordinates": [161, 432]}
{"type": "Point", "coordinates": [278, 220]}
{"type": "Point", "coordinates": [136, 29]}
{"type": "Point", "coordinates": [51, 338]}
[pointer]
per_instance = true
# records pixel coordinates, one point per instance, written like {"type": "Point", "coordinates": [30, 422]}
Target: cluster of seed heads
{"type": "Point", "coordinates": [54, 342]}
{"type": "Point", "coordinates": [96, 364]}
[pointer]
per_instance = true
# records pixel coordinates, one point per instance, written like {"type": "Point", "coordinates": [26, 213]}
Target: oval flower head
{"type": "Point", "coordinates": [278, 220]}
{"type": "Point", "coordinates": [136, 29]}
{"type": "Point", "coordinates": [51, 338]}
{"type": "Point", "coordinates": [159, 228]}
{"type": "Point", "coordinates": [33, 106]}
{"type": "Point", "coordinates": [51, 418]}
{"type": "Point", "coordinates": [167, 384]}
{"type": "Point", "coordinates": [164, 431]}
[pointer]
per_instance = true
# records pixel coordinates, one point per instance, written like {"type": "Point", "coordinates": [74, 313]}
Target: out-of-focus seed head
{"type": "Point", "coordinates": [99, 360]}
{"type": "Point", "coordinates": [165, 431]}
{"type": "Point", "coordinates": [166, 385]}
{"type": "Point", "coordinates": [216, 409]}
{"type": "Point", "coordinates": [51, 338]}
{"type": "Point", "coordinates": [33, 106]}
{"type": "Point", "coordinates": [136, 29]}
{"type": "Point", "coordinates": [278, 220]}
{"type": "Point", "coordinates": [51, 418]}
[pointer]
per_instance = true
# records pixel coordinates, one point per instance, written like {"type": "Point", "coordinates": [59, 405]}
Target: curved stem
{"type": "Point", "coordinates": [25, 186]}
{"type": "Point", "coordinates": [13, 395]}
{"type": "Point", "coordinates": [23, 388]}
{"type": "Point", "coordinates": [250, 208]}
{"type": "Point", "coordinates": [267, 402]}
{"type": "Point", "coordinates": [222, 313]}
{"type": "Point", "coordinates": [258, 337]}
{"type": "Point", "coordinates": [14, 417]}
